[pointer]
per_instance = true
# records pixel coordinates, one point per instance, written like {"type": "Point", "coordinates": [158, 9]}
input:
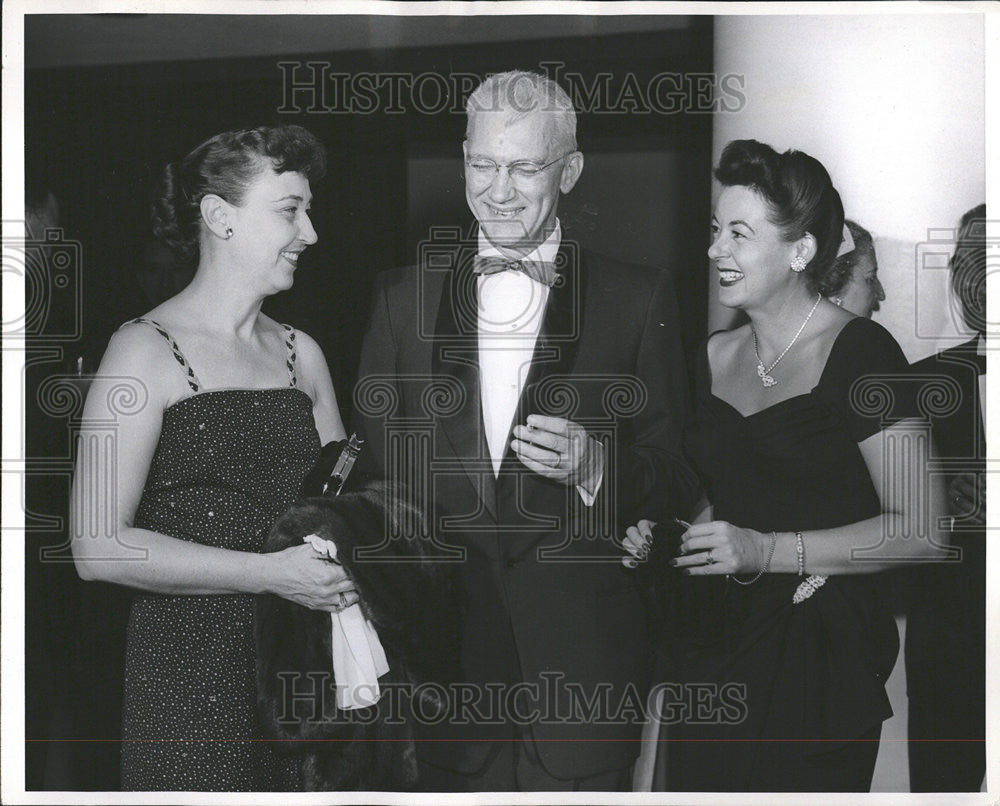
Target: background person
{"type": "Point", "coordinates": [946, 624]}
{"type": "Point", "coordinates": [854, 275]}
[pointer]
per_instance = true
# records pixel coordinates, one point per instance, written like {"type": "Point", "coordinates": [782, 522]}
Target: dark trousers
{"type": "Point", "coordinates": [946, 683]}
{"type": "Point", "coordinates": [514, 766]}
{"type": "Point", "coordinates": [947, 748]}
{"type": "Point", "coordinates": [777, 767]}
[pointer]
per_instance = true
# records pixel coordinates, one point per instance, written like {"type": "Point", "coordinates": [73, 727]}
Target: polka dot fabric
{"type": "Point", "coordinates": [227, 464]}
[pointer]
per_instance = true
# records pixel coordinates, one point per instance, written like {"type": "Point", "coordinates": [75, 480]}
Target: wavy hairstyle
{"type": "Point", "coordinates": [800, 197]}
{"type": "Point", "coordinates": [842, 271]}
{"type": "Point", "coordinates": [225, 165]}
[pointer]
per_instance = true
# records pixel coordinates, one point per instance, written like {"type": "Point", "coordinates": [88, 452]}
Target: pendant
{"type": "Point", "coordinates": [765, 379]}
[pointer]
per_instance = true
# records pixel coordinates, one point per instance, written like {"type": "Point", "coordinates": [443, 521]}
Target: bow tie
{"type": "Point", "coordinates": [540, 271]}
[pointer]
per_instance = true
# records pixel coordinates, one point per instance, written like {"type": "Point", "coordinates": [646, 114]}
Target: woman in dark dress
{"type": "Point", "coordinates": [778, 646]}
{"type": "Point", "coordinates": [202, 423]}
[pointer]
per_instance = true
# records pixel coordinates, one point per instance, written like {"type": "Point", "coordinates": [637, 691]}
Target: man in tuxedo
{"type": "Point", "coordinates": [946, 624]}
{"type": "Point", "coordinates": [536, 392]}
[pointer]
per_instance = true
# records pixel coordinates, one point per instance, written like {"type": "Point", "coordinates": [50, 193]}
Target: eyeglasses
{"type": "Point", "coordinates": [484, 170]}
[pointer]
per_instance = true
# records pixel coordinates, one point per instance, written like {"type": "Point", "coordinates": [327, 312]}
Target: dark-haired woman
{"type": "Point", "coordinates": [775, 666]}
{"type": "Point", "coordinates": [222, 417]}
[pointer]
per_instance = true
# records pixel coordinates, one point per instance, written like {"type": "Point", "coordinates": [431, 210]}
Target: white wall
{"type": "Point", "coordinates": [893, 106]}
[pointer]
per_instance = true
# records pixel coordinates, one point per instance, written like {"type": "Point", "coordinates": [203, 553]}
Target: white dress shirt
{"type": "Point", "coordinates": [511, 308]}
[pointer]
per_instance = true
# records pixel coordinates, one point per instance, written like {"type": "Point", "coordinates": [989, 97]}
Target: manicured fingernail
{"type": "Point", "coordinates": [686, 572]}
{"type": "Point", "coordinates": [673, 562]}
{"type": "Point", "coordinates": [631, 563]}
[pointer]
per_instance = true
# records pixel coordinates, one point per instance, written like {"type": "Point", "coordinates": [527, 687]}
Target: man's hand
{"type": "Point", "coordinates": [561, 450]}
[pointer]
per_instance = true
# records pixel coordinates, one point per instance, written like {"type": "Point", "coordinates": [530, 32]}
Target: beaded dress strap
{"type": "Point", "coordinates": [290, 359]}
{"type": "Point", "coordinates": [192, 379]}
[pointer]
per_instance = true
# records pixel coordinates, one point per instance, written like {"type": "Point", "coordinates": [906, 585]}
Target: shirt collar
{"type": "Point", "coordinates": [545, 252]}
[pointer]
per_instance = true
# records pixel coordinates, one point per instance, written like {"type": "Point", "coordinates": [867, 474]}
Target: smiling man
{"type": "Point", "coordinates": [549, 384]}
{"type": "Point", "coordinates": [518, 159]}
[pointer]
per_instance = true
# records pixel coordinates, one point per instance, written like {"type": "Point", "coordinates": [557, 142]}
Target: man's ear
{"type": "Point", "coordinates": [571, 171]}
{"type": "Point", "coordinates": [215, 213]}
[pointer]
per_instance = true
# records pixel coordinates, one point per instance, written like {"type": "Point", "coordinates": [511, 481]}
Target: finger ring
{"type": "Point", "coordinates": [709, 559]}
{"type": "Point", "coordinates": [555, 462]}
{"type": "Point", "coordinates": [342, 602]}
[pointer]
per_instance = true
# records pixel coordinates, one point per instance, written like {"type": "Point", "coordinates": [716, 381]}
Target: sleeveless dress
{"type": "Point", "coordinates": [762, 694]}
{"type": "Point", "coordinates": [227, 464]}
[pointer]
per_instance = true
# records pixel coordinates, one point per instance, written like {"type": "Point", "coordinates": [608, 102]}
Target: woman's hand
{"type": "Point", "coordinates": [302, 576]}
{"type": "Point", "coordinates": [638, 540]}
{"type": "Point", "coordinates": [967, 498]}
{"type": "Point", "coordinates": [718, 547]}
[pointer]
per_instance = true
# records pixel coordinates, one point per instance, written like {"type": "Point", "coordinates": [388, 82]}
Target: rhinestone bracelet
{"type": "Point", "coordinates": [800, 553]}
{"type": "Point", "coordinates": [808, 588]}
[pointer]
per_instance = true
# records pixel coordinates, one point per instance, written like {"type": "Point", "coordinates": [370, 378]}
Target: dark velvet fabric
{"type": "Point", "coordinates": [793, 693]}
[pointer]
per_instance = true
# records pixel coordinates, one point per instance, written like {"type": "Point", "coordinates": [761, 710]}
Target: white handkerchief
{"type": "Point", "coordinates": [358, 657]}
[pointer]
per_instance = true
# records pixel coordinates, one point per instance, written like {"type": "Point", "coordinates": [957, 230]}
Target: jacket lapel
{"type": "Point", "coordinates": [456, 355]}
{"type": "Point", "coordinates": [967, 354]}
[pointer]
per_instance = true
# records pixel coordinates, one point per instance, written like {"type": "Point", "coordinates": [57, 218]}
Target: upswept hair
{"type": "Point", "coordinates": [225, 165]}
{"type": "Point", "coordinates": [843, 267]}
{"type": "Point", "coordinates": [800, 197]}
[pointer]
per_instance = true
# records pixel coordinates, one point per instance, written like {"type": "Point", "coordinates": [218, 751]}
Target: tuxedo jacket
{"type": "Point", "coordinates": [946, 622]}
{"type": "Point", "coordinates": [553, 636]}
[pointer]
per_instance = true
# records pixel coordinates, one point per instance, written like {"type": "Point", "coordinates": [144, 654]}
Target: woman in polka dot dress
{"type": "Point", "coordinates": [202, 423]}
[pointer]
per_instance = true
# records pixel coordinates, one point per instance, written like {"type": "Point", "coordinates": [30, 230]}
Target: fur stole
{"type": "Point", "coordinates": [408, 597]}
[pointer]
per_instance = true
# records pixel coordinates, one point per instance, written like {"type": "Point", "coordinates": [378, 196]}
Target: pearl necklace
{"type": "Point", "coordinates": [765, 374]}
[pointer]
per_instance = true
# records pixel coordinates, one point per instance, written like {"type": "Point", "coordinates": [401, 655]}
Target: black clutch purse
{"type": "Point", "coordinates": [691, 608]}
{"type": "Point", "coordinates": [332, 470]}
{"type": "Point", "coordinates": [666, 544]}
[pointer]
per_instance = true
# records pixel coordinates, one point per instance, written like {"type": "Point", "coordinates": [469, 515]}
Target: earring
{"type": "Point", "coordinates": [229, 233]}
{"type": "Point", "coordinates": [798, 264]}
{"type": "Point", "coordinates": [838, 301]}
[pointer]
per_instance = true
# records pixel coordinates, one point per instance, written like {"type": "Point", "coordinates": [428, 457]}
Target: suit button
{"type": "Point", "coordinates": [512, 563]}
